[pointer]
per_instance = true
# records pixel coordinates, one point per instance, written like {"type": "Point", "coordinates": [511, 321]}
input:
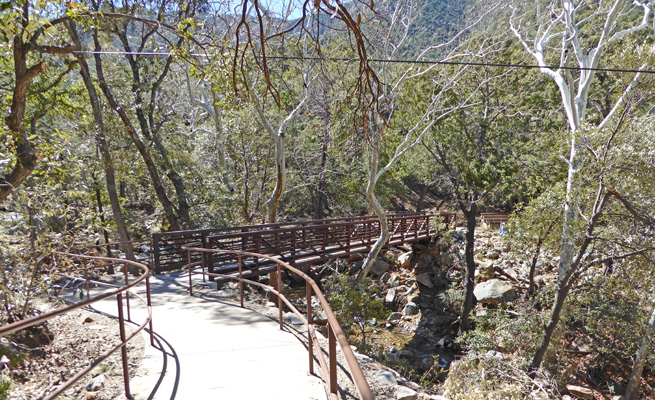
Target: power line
{"type": "Point", "coordinates": [418, 62]}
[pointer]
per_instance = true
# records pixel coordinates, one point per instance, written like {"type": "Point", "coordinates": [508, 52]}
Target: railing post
{"type": "Point", "coordinates": [121, 327]}
{"type": "Point", "coordinates": [257, 243]}
{"type": "Point", "coordinates": [240, 280]}
{"type": "Point", "coordinates": [155, 253]}
{"type": "Point", "coordinates": [348, 229]}
{"type": "Point", "coordinates": [310, 341]}
{"type": "Point", "coordinates": [152, 334]}
{"type": "Point", "coordinates": [325, 235]}
{"type": "Point", "coordinates": [188, 254]}
{"type": "Point", "coordinates": [127, 294]}
{"type": "Point", "coordinates": [279, 291]}
{"type": "Point", "coordinates": [293, 248]}
{"type": "Point", "coordinates": [86, 278]}
{"type": "Point", "coordinates": [203, 255]}
{"type": "Point", "coordinates": [332, 350]}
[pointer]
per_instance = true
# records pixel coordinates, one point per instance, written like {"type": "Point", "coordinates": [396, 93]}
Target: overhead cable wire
{"type": "Point", "coordinates": [418, 62]}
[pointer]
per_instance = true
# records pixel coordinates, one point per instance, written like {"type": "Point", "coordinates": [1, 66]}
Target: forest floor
{"type": "Point", "coordinates": [71, 342]}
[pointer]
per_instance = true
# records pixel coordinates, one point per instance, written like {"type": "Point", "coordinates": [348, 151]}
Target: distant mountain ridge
{"type": "Point", "coordinates": [435, 21]}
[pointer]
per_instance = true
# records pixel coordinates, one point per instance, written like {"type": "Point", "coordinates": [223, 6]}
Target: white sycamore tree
{"type": "Point", "coordinates": [570, 58]}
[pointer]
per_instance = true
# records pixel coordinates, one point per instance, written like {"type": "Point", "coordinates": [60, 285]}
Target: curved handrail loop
{"type": "Point", "coordinates": [335, 332]}
{"type": "Point", "coordinates": [118, 293]}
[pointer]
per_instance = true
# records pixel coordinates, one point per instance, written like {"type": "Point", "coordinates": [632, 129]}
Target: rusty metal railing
{"type": "Point", "coordinates": [351, 234]}
{"type": "Point", "coordinates": [335, 333]}
{"type": "Point", "coordinates": [118, 293]}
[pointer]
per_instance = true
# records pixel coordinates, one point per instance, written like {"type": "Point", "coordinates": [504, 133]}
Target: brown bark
{"type": "Point", "coordinates": [145, 155]}
{"type": "Point", "coordinates": [25, 153]}
{"type": "Point", "coordinates": [469, 299]}
{"type": "Point", "coordinates": [101, 142]}
{"type": "Point", "coordinates": [149, 128]}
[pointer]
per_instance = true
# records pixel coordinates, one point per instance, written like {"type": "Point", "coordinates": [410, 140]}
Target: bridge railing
{"type": "Point", "coordinates": [335, 332]}
{"type": "Point", "coordinates": [166, 246]}
{"type": "Point", "coordinates": [302, 245]}
{"type": "Point", "coordinates": [82, 269]}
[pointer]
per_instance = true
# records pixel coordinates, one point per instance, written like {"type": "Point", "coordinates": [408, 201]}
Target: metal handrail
{"type": "Point", "coordinates": [335, 332]}
{"type": "Point", "coordinates": [118, 292]}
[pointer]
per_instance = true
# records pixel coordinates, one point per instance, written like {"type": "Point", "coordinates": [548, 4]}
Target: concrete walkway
{"type": "Point", "coordinates": [210, 349]}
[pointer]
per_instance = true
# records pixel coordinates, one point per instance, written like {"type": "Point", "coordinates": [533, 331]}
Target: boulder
{"type": "Point", "coordinates": [292, 319]}
{"type": "Point", "coordinates": [385, 377]}
{"type": "Point", "coordinates": [391, 295]}
{"type": "Point", "coordinates": [96, 383]}
{"type": "Point", "coordinates": [405, 393]}
{"type": "Point", "coordinates": [356, 267]}
{"type": "Point", "coordinates": [410, 309]}
{"type": "Point", "coordinates": [425, 279]}
{"type": "Point", "coordinates": [580, 392]}
{"type": "Point", "coordinates": [494, 292]}
{"type": "Point", "coordinates": [321, 318]}
{"type": "Point", "coordinates": [404, 260]}
{"type": "Point", "coordinates": [395, 316]}
{"type": "Point", "coordinates": [379, 267]}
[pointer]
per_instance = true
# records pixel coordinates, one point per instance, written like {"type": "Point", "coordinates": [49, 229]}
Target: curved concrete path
{"type": "Point", "coordinates": [210, 349]}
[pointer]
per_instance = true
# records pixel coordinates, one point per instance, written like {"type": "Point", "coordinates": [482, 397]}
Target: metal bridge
{"type": "Point", "coordinates": [298, 243]}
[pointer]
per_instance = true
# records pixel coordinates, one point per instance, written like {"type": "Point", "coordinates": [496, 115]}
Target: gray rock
{"type": "Point", "coordinates": [270, 304]}
{"type": "Point", "coordinates": [405, 393]}
{"type": "Point", "coordinates": [210, 285]}
{"type": "Point", "coordinates": [442, 342]}
{"type": "Point", "coordinates": [356, 266]}
{"type": "Point", "coordinates": [292, 319]}
{"type": "Point", "coordinates": [494, 291]}
{"type": "Point", "coordinates": [404, 259]}
{"type": "Point", "coordinates": [96, 383]}
{"type": "Point", "coordinates": [392, 357]}
{"type": "Point", "coordinates": [395, 316]}
{"type": "Point", "coordinates": [415, 299]}
{"type": "Point", "coordinates": [410, 309]}
{"type": "Point", "coordinates": [391, 295]}
{"type": "Point", "coordinates": [405, 354]}
{"type": "Point", "coordinates": [388, 325]}
{"type": "Point", "coordinates": [321, 318]}
{"type": "Point", "coordinates": [385, 277]}
{"type": "Point", "coordinates": [425, 279]}
{"type": "Point", "coordinates": [385, 377]}
{"type": "Point", "coordinates": [379, 267]}
{"type": "Point", "coordinates": [394, 281]}
{"type": "Point", "coordinates": [444, 259]}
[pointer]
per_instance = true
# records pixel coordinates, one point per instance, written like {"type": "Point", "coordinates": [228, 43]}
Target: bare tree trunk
{"type": "Point", "coordinates": [148, 126]}
{"type": "Point", "coordinates": [565, 281]}
{"type": "Point", "coordinates": [376, 206]}
{"type": "Point", "coordinates": [469, 278]}
{"type": "Point", "coordinates": [421, 198]}
{"type": "Point", "coordinates": [640, 360]}
{"type": "Point", "coordinates": [108, 165]}
{"type": "Point", "coordinates": [280, 173]}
